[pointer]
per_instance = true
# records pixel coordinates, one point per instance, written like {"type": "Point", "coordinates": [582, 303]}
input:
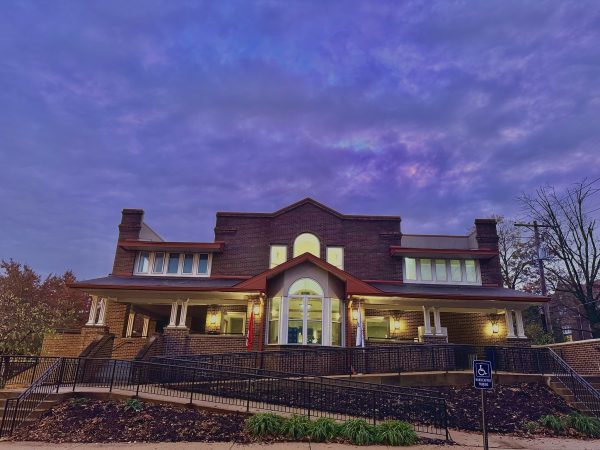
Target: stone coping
{"type": "Point", "coordinates": [560, 344]}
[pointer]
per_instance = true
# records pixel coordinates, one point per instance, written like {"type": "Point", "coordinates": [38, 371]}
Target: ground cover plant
{"type": "Point", "coordinates": [572, 424]}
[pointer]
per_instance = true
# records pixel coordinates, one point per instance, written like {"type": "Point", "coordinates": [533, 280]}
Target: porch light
{"type": "Point", "coordinates": [213, 318]}
{"type": "Point", "coordinates": [494, 321]}
{"type": "Point", "coordinates": [355, 314]}
{"type": "Point", "coordinates": [256, 310]}
{"type": "Point", "coordinates": [495, 328]}
{"type": "Point", "coordinates": [396, 324]}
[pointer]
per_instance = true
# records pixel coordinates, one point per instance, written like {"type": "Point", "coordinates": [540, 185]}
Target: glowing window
{"type": "Point", "coordinates": [335, 257]}
{"type": "Point", "coordinates": [426, 274]}
{"type": "Point", "coordinates": [307, 243]}
{"type": "Point", "coordinates": [470, 270]}
{"type": "Point", "coordinates": [305, 286]}
{"type": "Point", "coordinates": [410, 268]}
{"type": "Point", "coordinates": [278, 255]}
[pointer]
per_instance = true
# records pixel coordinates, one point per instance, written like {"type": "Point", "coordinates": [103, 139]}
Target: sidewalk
{"type": "Point", "coordinates": [465, 441]}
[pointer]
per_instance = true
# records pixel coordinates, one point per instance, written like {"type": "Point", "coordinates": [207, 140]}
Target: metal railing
{"type": "Point", "coordinates": [17, 409]}
{"type": "Point", "coordinates": [22, 370]}
{"type": "Point", "coordinates": [583, 392]}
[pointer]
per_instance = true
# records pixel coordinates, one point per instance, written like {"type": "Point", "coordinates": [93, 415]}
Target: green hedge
{"type": "Point", "coordinates": [585, 425]}
{"type": "Point", "coordinates": [356, 431]}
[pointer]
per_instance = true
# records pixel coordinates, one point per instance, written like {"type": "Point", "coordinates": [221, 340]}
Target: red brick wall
{"type": "Point", "coordinates": [487, 238]}
{"type": "Point", "coordinates": [117, 315]}
{"type": "Point", "coordinates": [62, 344]}
{"type": "Point", "coordinates": [130, 227]}
{"type": "Point", "coordinates": [127, 348]}
{"type": "Point", "coordinates": [366, 242]}
{"type": "Point", "coordinates": [582, 356]}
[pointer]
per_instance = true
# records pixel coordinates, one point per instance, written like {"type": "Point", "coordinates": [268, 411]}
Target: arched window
{"type": "Point", "coordinates": [305, 286]}
{"type": "Point", "coordinates": [307, 243]}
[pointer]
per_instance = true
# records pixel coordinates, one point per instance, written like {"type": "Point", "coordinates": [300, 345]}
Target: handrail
{"type": "Point", "coordinates": [581, 389]}
{"type": "Point", "coordinates": [17, 409]}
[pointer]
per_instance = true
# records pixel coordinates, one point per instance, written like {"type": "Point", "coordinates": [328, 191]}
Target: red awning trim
{"type": "Point", "coordinates": [210, 247]}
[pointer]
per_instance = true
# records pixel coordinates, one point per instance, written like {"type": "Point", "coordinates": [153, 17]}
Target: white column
{"type": "Point", "coordinates": [509, 324]}
{"type": "Point", "coordinates": [93, 309]}
{"type": "Point", "coordinates": [183, 314]}
{"type": "Point", "coordinates": [102, 312]}
{"type": "Point", "coordinates": [437, 321]}
{"type": "Point", "coordinates": [427, 320]}
{"type": "Point", "coordinates": [146, 326]}
{"type": "Point", "coordinates": [173, 318]}
{"type": "Point", "coordinates": [130, 322]}
{"type": "Point", "coordinates": [520, 327]}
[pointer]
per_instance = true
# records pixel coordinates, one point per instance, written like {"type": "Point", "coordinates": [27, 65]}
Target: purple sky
{"type": "Point", "coordinates": [438, 112]}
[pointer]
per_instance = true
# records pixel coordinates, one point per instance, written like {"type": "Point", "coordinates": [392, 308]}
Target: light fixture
{"type": "Point", "coordinates": [494, 321]}
{"type": "Point", "coordinates": [213, 318]}
{"type": "Point", "coordinates": [396, 324]}
{"type": "Point", "coordinates": [256, 310]}
{"type": "Point", "coordinates": [355, 314]}
{"type": "Point", "coordinates": [495, 328]}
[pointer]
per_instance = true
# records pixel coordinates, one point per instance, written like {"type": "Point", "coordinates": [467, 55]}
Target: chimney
{"type": "Point", "coordinates": [129, 229]}
{"type": "Point", "coordinates": [487, 238]}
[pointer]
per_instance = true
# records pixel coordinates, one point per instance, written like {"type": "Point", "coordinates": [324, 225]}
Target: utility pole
{"type": "Point", "coordinates": [540, 263]}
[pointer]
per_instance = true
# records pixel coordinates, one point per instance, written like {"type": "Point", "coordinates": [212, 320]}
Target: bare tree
{"type": "Point", "coordinates": [516, 255]}
{"type": "Point", "coordinates": [572, 239]}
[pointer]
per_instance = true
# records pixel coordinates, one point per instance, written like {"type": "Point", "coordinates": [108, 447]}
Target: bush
{"type": "Point", "coordinates": [296, 427]}
{"type": "Point", "coordinates": [554, 423]}
{"type": "Point", "coordinates": [79, 401]}
{"type": "Point", "coordinates": [358, 431]}
{"type": "Point", "coordinates": [589, 426]}
{"type": "Point", "coordinates": [133, 404]}
{"type": "Point", "coordinates": [264, 424]}
{"type": "Point", "coordinates": [395, 432]}
{"type": "Point", "coordinates": [324, 430]}
{"type": "Point", "coordinates": [532, 427]}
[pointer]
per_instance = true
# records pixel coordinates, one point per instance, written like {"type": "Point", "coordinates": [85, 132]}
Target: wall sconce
{"type": "Point", "coordinates": [355, 314]}
{"type": "Point", "coordinates": [495, 328]}
{"type": "Point", "coordinates": [256, 310]}
{"type": "Point", "coordinates": [213, 318]}
{"type": "Point", "coordinates": [494, 321]}
{"type": "Point", "coordinates": [396, 324]}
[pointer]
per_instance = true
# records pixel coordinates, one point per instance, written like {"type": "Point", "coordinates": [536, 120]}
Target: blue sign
{"type": "Point", "coordinates": [482, 374]}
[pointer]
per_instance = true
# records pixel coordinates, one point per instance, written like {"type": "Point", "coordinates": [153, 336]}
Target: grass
{"type": "Point", "coordinates": [589, 426]}
{"type": "Point", "coordinates": [324, 430]}
{"type": "Point", "coordinates": [296, 427]}
{"type": "Point", "coordinates": [395, 432]}
{"type": "Point", "coordinates": [261, 425]}
{"type": "Point", "coordinates": [585, 425]}
{"type": "Point", "coordinates": [359, 432]}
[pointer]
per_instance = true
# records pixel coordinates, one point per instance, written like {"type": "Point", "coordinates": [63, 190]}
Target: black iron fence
{"type": "Point", "coordinates": [22, 370]}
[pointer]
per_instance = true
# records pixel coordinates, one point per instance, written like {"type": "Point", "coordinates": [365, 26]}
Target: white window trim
{"type": "Point", "coordinates": [164, 273]}
{"type": "Point", "coordinates": [335, 247]}
{"type": "Point", "coordinates": [448, 280]}
{"type": "Point", "coordinates": [271, 254]}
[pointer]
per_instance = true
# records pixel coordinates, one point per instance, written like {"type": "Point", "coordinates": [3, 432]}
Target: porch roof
{"type": "Point", "coordinates": [415, 290]}
{"type": "Point", "coordinates": [160, 283]}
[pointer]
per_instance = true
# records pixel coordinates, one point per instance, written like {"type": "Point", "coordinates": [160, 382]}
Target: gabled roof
{"type": "Point", "coordinates": [308, 201]}
{"type": "Point", "coordinates": [354, 286]}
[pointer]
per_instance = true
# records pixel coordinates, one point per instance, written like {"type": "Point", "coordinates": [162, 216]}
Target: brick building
{"type": "Point", "coordinates": [302, 275]}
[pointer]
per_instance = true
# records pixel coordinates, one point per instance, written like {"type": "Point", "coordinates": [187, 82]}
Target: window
{"type": "Point", "coordinates": [203, 264]}
{"type": "Point", "coordinates": [410, 269]}
{"type": "Point", "coordinates": [455, 270]}
{"type": "Point", "coordinates": [377, 327]}
{"type": "Point", "coordinates": [159, 263]}
{"type": "Point", "coordinates": [426, 274]}
{"type": "Point", "coordinates": [305, 286]}
{"type": "Point", "coordinates": [440, 270]}
{"type": "Point", "coordinates": [173, 265]}
{"type": "Point", "coordinates": [144, 262]}
{"type": "Point", "coordinates": [470, 271]}
{"type": "Point", "coordinates": [278, 255]}
{"type": "Point", "coordinates": [335, 257]}
{"type": "Point", "coordinates": [307, 243]}
{"type": "Point", "coordinates": [336, 322]}
{"type": "Point", "coordinates": [274, 320]}
{"type": "Point", "coordinates": [452, 271]}
{"type": "Point", "coordinates": [188, 263]}
{"type": "Point", "coordinates": [233, 323]}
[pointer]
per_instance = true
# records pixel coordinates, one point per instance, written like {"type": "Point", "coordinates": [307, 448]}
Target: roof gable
{"type": "Point", "coordinates": [354, 286]}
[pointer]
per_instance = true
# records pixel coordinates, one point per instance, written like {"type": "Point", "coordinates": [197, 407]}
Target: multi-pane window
{"type": "Point", "coordinates": [173, 264]}
{"type": "Point", "coordinates": [278, 255]}
{"type": "Point", "coordinates": [453, 271]}
{"type": "Point", "coordinates": [378, 327]}
{"type": "Point", "coordinates": [335, 257]}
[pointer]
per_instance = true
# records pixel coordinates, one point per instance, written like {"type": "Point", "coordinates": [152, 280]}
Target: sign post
{"type": "Point", "coordinates": [482, 380]}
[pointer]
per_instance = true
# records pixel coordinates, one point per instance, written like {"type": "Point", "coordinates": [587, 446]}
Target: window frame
{"type": "Point", "coordinates": [166, 257]}
{"type": "Point", "coordinates": [271, 247]}
{"type": "Point", "coordinates": [237, 314]}
{"type": "Point", "coordinates": [335, 247]}
{"type": "Point", "coordinates": [448, 272]}
{"type": "Point", "coordinates": [294, 255]}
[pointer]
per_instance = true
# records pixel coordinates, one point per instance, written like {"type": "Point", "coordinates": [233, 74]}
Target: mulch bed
{"type": "Point", "coordinates": [107, 421]}
{"type": "Point", "coordinates": [508, 407]}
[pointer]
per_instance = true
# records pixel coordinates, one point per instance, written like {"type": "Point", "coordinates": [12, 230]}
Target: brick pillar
{"type": "Point", "coordinates": [176, 341]}
{"type": "Point", "coordinates": [117, 315]}
{"type": "Point", "coordinates": [487, 238]}
{"type": "Point", "coordinates": [129, 229]}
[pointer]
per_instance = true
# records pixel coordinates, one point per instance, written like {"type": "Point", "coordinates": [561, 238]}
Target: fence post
{"type": "Point", "coordinates": [112, 375]}
{"type": "Point", "coordinates": [76, 373]}
{"type": "Point", "coordinates": [309, 400]}
{"type": "Point", "coordinates": [248, 396]}
{"type": "Point", "coordinates": [192, 387]}
{"type": "Point", "coordinates": [37, 361]}
{"type": "Point", "coordinates": [373, 411]}
{"type": "Point", "coordinates": [137, 389]}
{"type": "Point", "coordinates": [60, 374]}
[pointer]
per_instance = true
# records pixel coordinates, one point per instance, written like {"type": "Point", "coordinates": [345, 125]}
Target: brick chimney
{"type": "Point", "coordinates": [129, 229]}
{"type": "Point", "coordinates": [487, 238]}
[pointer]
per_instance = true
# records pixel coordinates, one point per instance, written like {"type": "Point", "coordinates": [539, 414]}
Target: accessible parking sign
{"type": "Point", "coordinates": [482, 374]}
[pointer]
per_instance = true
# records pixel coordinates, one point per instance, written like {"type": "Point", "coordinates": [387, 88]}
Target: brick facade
{"type": "Point", "coordinates": [582, 356]}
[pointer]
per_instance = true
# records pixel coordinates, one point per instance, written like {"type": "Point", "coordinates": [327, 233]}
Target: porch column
{"type": "Point", "coordinates": [437, 321]}
{"type": "Point", "coordinates": [520, 327]}
{"type": "Point", "coordinates": [183, 314]}
{"type": "Point", "coordinates": [102, 313]}
{"type": "Point", "coordinates": [130, 322]}
{"type": "Point", "coordinates": [509, 324]}
{"type": "Point", "coordinates": [427, 320]}
{"type": "Point", "coordinates": [93, 308]}
{"type": "Point", "coordinates": [146, 326]}
{"type": "Point", "coordinates": [173, 318]}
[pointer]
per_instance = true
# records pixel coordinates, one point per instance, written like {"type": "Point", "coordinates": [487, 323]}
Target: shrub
{"type": "Point", "coordinates": [358, 431]}
{"type": "Point", "coordinates": [554, 423]}
{"type": "Point", "coordinates": [590, 426]}
{"type": "Point", "coordinates": [324, 430]}
{"type": "Point", "coordinates": [395, 432]}
{"type": "Point", "coordinates": [532, 426]}
{"type": "Point", "coordinates": [79, 401]}
{"type": "Point", "coordinates": [264, 424]}
{"type": "Point", "coordinates": [133, 404]}
{"type": "Point", "coordinates": [296, 427]}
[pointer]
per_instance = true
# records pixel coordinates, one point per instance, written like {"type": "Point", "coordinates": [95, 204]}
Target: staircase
{"type": "Point", "coordinates": [36, 413]}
